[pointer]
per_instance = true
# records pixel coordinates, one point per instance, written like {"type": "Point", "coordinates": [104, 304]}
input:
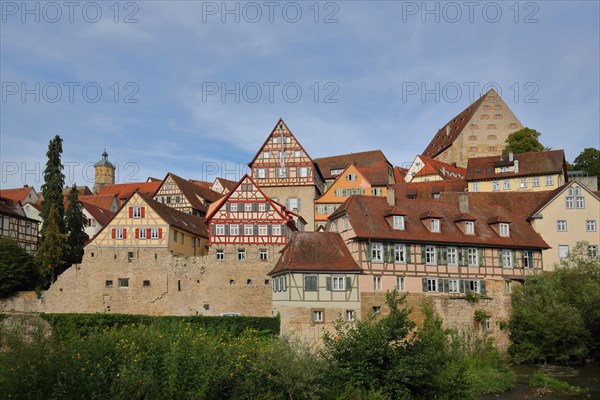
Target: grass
{"type": "Point", "coordinates": [539, 380]}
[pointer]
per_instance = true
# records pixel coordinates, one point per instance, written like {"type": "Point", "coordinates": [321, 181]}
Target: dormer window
{"type": "Point", "coordinates": [399, 222]}
{"type": "Point", "coordinates": [469, 227]}
{"type": "Point", "coordinates": [434, 225]}
{"type": "Point", "coordinates": [504, 229]}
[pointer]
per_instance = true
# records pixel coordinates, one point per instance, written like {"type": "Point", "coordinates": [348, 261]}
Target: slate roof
{"type": "Point", "coordinates": [444, 139]}
{"type": "Point", "coordinates": [530, 164]}
{"type": "Point", "coordinates": [366, 215]}
{"type": "Point", "coordinates": [315, 252]}
{"type": "Point", "coordinates": [372, 164]}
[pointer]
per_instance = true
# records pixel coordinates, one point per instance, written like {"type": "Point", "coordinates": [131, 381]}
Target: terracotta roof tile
{"type": "Point", "coordinates": [178, 219]}
{"type": "Point", "coordinates": [101, 215]}
{"type": "Point", "coordinates": [366, 216]}
{"type": "Point", "coordinates": [535, 163]}
{"type": "Point", "coordinates": [445, 170]}
{"type": "Point", "coordinates": [425, 190]}
{"type": "Point", "coordinates": [315, 251]}
{"type": "Point", "coordinates": [400, 174]}
{"type": "Point", "coordinates": [18, 194]}
{"type": "Point", "coordinates": [373, 164]}
{"type": "Point", "coordinates": [105, 201]}
{"type": "Point", "coordinates": [193, 191]}
{"type": "Point", "coordinates": [125, 190]}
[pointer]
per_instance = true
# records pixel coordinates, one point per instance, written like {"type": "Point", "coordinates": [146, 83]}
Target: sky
{"type": "Point", "coordinates": [195, 87]}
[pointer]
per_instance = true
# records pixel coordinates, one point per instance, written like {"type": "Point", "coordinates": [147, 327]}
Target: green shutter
{"type": "Point", "coordinates": [392, 253]}
{"type": "Point", "coordinates": [226, 229]}
{"type": "Point", "coordinates": [480, 256]}
{"type": "Point", "coordinates": [368, 252]}
{"type": "Point", "coordinates": [500, 258]}
{"type": "Point", "coordinates": [444, 285]}
{"type": "Point", "coordinates": [482, 287]}
{"type": "Point", "coordinates": [255, 228]}
{"type": "Point", "coordinates": [531, 260]}
{"type": "Point", "coordinates": [227, 206]}
{"type": "Point", "coordinates": [268, 206]}
{"type": "Point", "coordinates": [212, 229]}
{"type": "Point", "coordinates": [444, 259]}
{"type": "Point", "coordinates": [514, 258]}
{"type": "Point", "coordinates": [407, 252]}
{"type": "Point", "coordinates": [424, 281]}
{"type": "Point", "coordinates": [328, 283]}
{"type": "Point", "coordinates": [461, 286]}
{"type": "Point", "coordinates": [269, 229]}
{"type": "Point", "coordinates": [348, 283]}
{"type": "Point", "coordinates": [423, 254]}
{"type": "Point", "coordinates": [459, 254]}
{"type": "Point", "coordinates": [438, 255]}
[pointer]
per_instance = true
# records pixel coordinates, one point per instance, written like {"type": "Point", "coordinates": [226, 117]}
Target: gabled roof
{"type": "Point", "coordinates": [104, 201]}
{"type": "Point", "coordinates": [315, 252]}
{"type": "Point", "coordinates": [366, 215]}
{"type": "Point", "coordinates": [373, 164]}
{"type": "Point", "coordinates": [184, 221]}
{"type": "Point", "coordinates": [530, 164]}
{"type": "Point", "coordinates": [81, 191]}
{"type": "Point", "coordinates": [448, 134]}
{"type": "Point", "coordinates": [125, 190]}
{"type": "Point", "coordinates": [101, 215]}
{"type": "Point", "coordinates": [18, 194]}
{"type": "Point", "coordinates": [545, 200]}
{"type": "Point", "coordinates": [425, 190]}
{"type": "Point", "coordinates": [445, 170]}
{"type": "Point", "coordinates": [400, 174]}
{"type": "Point", "coordinates": [12, 208]}
{"type": "Point", "coordinates": [226, 183]}
{"type": "Point", "coordinates": [192, 191]}
{"type": "Point", "coordinates": [203, 184]}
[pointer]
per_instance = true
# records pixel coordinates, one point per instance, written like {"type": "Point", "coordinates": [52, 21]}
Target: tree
{"type": "Point", "coordinates": [589, 160]}
{"type": "Point", "coordinates": [17, 268]}
{"type": "Point", "coordinates": [523, 141]}
{"type": "Point", "coordinates": [52, 189]}
{"type": "Point", "coordinates": [52, 249]}
{"type": "Point", "coordinates": [75, 223]}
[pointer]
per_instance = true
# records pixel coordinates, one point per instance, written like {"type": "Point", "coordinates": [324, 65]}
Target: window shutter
{"type": "Point", "coordinates": [423, 260]}
{"type": "Point", "coordinates": [392, 253]}
{"type": "Point", "coordinates": [284, 230]}
{"type": "Point", "coordinates": [143, 212]}
{"type": "Point", "coordinates": [500, 258]}
{"type": "Point", "coordinates": [385, 252]}
{"type": "Point", "coordinates": [480, 257]}
{"type": "Point", "coordinates": [268, 206]}
{"type": "Point", "coordinates": [255, 228]}
{"type": "Point", "coordinates": [160, 233]}
{"type": "Point", "coordinates": [287, 203]}
{"type": "Point", "coordinates": [137, 233]}
{"type": "Point", "coordinates": [523, 253]}
{"type": "Point", "coordinates": [461, 286]}
{"type": "Point", "coordinates": [424, 282]}
{"type": "Point", "coordinates": [124, 233]}
{"type": "Point", "coordinates": [444, 285]}
{"type": "Point", "coordinates": [114, 233]}
{"type": "Point", "coordinates": [368, 253]}
{"type": "Point", "coordinates": [444, 256]}
{"type": "Point", "coordinates": [299, 200]}
{"type": "Point", "coordinates": [130, 212]}
{"type": "Point", "coordinates": [438, 255]}
{"type": "Point", "coordinates": [328, 283]}
{"type": "Point", "coordinates": [348, 283]}
{"type": "Point", "coordinates": [460, 255]}
{"type": "Point", "coordinates": [255, 207]}
{"type": "Point", "coordinates": [227, 229]}
{"type": "Point", "coordinates": [531, 261]}
{"type": "Point", "coordinates": [269, 230]}
{"type": "Point", "coordinates": [148, 233]}
{"type": "Point", "coordinates": [514, 258]}
{"type": "Point", "coordinates": [482, 286]}
{"type": "Point", "coordinates": [212, 229]}
{"type": "Point", "coordinates": [227, 206]}
{"type": "Point", "coordinates": [407, 250]}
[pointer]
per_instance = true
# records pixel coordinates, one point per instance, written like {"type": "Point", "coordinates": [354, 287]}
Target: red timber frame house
{"type": "Point", "coordinates": [247, 216]}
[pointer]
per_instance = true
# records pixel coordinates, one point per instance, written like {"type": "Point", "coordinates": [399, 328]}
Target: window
{"type": "Point", "coordinates": [108, 283]}
{"type": "Point", "coordinates": [119, 233]}
{"type": "Point", "coordinates": [233, 206]}
{"type": "Point", "coordinates": [220, 255]}
{"type": "Point", "coordinates": [504, 229]}
{"type": "Point", "coordinates": [491, 126]}
{"type": "Point", "coordinates": [401, 284]}
{"type": "Point", "coordinates": [318, 316]}
{"type": "Point", "coordinates": [486, 107]}
{"type": "Point", "coordinates": [535, 181]}
{"type": "Point", "coordinates": [473, 149]}
{"type": "Point", "coordinates": [276, 229]}
{"type": "Point", "coordinates": [248, 207]}
{"type": "Point", "coordinates": [523, 183]}
{"type": "Point", "coordinates": [579, 202]}
{"type": "Point", "coordinates": [469, 227]}
{"type": "Point", "coordinates": [263, 254]}
{"type": "Point", "coordinates": [234, 230]}
{"type": "Point", "coordinates": [506, 184]}
{"type": "Point", "coordinates": [527, 258]}
{"type": "Point", "coordinates": [336, 171]}
{"type": "Point", "coordinates": [282, 172]}
{"type": "Point", "coordinates": [294, 204]}
{"type": "Point", "coordinates": [452, 256]}
{"type": "Point", "coordinates": [350, 177]}
{"type": "Point", "coordinates": [507, 287]}
{"type": "Point", "coordinates": [563, 251]}
{"type": "Point", "coordinates": [485, 116]}
{"type": "Point", "coordinates": [496, 185]}
{"type": "Point", "coordinates": [473, 127]}
{"type": "Point", "coordinates": [143, 233]}
{"type": "Point", "coordinates": [497, 116]}
{"type": "Point", "coordinates": [377, 252]}
{"type": "Point", "coordinates": [248, 230]}
{"type": "Point", "coordinates": [430, 255]}
{"type": "Point", "coordinates": [344, 223]}
{"type": "Point", "coordinates": [219, 230]}
{"type": "Point", "coordinates": [261, 173]}
{"type": "Point", "coordinates": [262, 230]}
{"type": "Point", "coordinates": [137, 212]}
{"type": "Point", "coordinates": [399, 222]}
{"type": "Point", "coordinates": [432, 284]}
{"type": "Point", "coordinates": [492, 137]}
{"type": "Point", "coordinates": [561, 225]}
{"type": "Point", "coordinates": [241, 254]}
{"type": "Point", "coordinates": [338, 282]}
{"type": "Point", "coordinates": [320, 209]}
{"type": "Point", "coordinates": [377, 283]}
{"type": "Point", "coordinates": [590, 226]}
{"type": "Point", "coordinates": [435, 225]}
{"type": "Point", "coordinates": [473, 286]}
{"type": "Point", "coordinates": [574, 191]}
{"type": "Point", "coordinates": [154, 233]}
{"type": "Point", "coordinates": [475, 186]}
{"type": "Point", "coordinates": [262, 207]}
{"type": "Point", "coordinates": [507, 259]}
{"type": "Point", "coordinates": [497, 107]}
{"type": "Point", "coordinates": [472, 137]}
{"type": "Point", "coordinates": [338, 192]}
{"type": "Point", "coordinates": [549, 181]}
{"type": "Point", "coordinates": [146, 283]}
{"type": "Point", "coordinates": [123, 282]}
{"type": "Point", "coordinates": [376, 191]}
{"type": "Point", "coordinates": [569, 202]}
{"type": "Point", "coordinates": [297, 153]}
{"type": "Point", "coordinates": [267, 154]}
{"type": "Point", "coordinates": [453, 286]}
{"type": "Point", "coordinates": [349, 315]}
{"type": "Point", "coordinates": [310, 283]}
{"type": "Point", "coordinates": [472, 257]}
{"type": "Point", "coordinates": [330, 209]}
{"type": "Point", "coordinates": [593, 251]}
{"type": "Point", "coordinates": [400, 253]}
{"type": "Point", "coordinates": [512, 126]}
{"type": "Point", "coordinates": [376, 309]}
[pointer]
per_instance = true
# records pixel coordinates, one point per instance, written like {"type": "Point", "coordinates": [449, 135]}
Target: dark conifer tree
{"type": "Point", "coordinates": [75, 222]}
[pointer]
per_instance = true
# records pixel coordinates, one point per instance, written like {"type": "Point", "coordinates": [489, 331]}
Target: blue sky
{"type": "Point", "coordinates": [192, 87]}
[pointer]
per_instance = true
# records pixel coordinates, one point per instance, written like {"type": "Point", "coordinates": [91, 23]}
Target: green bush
{"type": "Point", "coordinates": [543, 381]}
{"type": "Point", "coordinates": [18, 270]}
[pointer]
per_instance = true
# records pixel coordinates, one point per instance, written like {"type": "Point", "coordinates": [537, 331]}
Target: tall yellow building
{"type": "Point", "coordinates": [104, 173]}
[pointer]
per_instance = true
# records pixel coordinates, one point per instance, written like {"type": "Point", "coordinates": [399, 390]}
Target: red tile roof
{"type": "Point", "coordinates": [372, 164]}
{"type": "Point", "coordinates": [227, 184]}
{"type": "Point", "coordinates": [101, 215]}
{"type": "Point", "coordinates": [186, 222]}
{"type": "Point", "coordinates": [12, 208]}
{"type": "Point", "coordinates": [125, 190]}
{"type": "Point", "coordinates": [104, 201]}
{"type": "Point", "coordinates": [448, 134]}
{"type": "Point", "coordinates": [530, 164]}
{"type": "Point", "coordinates": [445, 170]}
{"type": "Point", "coordinates": [81, 191]}
{"type": "Point", "coordinates": [315, 251]}
{"type": "Point", "coordinates": [425, 190]}
{"type": "Point", "coordinates": [18, 194]}
{"type": "Point", "coordinates": [366, 215]}
{"type": "Point", "coordinates": [400, 174]}
{"type": "Point", "coordinates": [193, 191]}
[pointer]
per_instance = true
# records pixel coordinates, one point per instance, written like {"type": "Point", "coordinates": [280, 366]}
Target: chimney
{"type": "Point", "coordinates": [391, 196]}
{"type": "Point", "coordinates": [25, 185]}
{"type": "Point", "coordinates": [463, 203]}
{"type": "Point", "coordinates": [516, 166]}
{"type": "Point", "coordinates": [447, 130]}
{"type": "Point", "coordinates": [511, 156]}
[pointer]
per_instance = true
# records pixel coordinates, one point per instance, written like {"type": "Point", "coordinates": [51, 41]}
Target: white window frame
{"type": "Point", "coordinates": [433, 285]}
{"type": "Point", "coordinates": [472, 257]}
{"type": "Point", "coordinates": [143, 233]}
{"type": "Point", "coordinates": [377, 252]}
{"type": "Point", "coordinates": [282, 172]}
{"type": "Point", "coordinates": [262, 207]}
{"type": "Point", "coordinates": [549, 180]}
{"type": "Point", "coordinates": [263, 254]}
{"type": "Point", "coordinates": [317, 316]}
{"type": "Point", "coordinates": [234, 230]}
{"type": "Point", "coordinates": [590, 225]}
{"type": "Point", "coordinates": [593, 250]}
{"type": "Point", "coordinates": [561, 225]}
{"type": "Point", "coordinates": [474, 285]}
{"type": "Point", "coordinates": [504, 229]}
{"type": "Point", "coordinates": [453, 285]}
{"type": "Point", "coordinates": [261, 173]}
{"type": "Point", "coordinates": [495, 186]}
{"type": "Point", "coordinates": [220, 255]}
{"type": "Point", "coordinates": [248, 207]}
{"type": "Point", "coordinates": [469, 227]}
{"type": "Point", "coordinates": [276, 230]}
{"type": "Point", "coordinates": [119, 233]}
{"type": "Point", "coordinates": [248, 230]}
{"type": "Point", "coordinates": [507, 258]}
{"type": "Point", "coordinates": [506, 184]}
{"type": "Point", "coordinates": [219, 230]}
{"type": "Point", "coordinates": [434, 225]}
{"type": "Point", "coordinates": [535, 181]}
{"type": "Point", "coordinates": [400, 253]}
{"type": "Point", "coordinates": [569, 202]}
{"type": "Point", "coordinates": [452, 255]}
{"type": "Point", "coordinates": [376, 191]}
{"type": "Point", "coordinates": [523, 182]}
{"type": "Point", "coordinates": [475, 186]}
{"type": "Point", "coordinates": [262, 230]}
{"type": "Point", "coordinates": [338, 283]}
{"type": "Point", "coordinates": [153, 233]}
{"type": "Point", "coordinates": [377, 283]}
{"type": "Point", "coordinates": [350, 177]}
{"type": "Point", "coordinates": [398, 222]}
{"type": "Point", "coordinates": [579, 202]}
{"type": "Point", "coordinates": [401, 284]}
{"type": "Point", "coordinates": [350, 315]}
{"type": "Point", "coordinates": [267, 154]}
{"type": "Point", "coordinates": [241, 254]}
{"type": "Point", "coordinates": [136, 211]}
{"type": "Point", "coordinates": [320, 209]}
{"type": "Point", "coordinates": [430, 255]}
{"type": "Point", "coordinates": [233, 207]}
{"type": "Point", "coordinates": [293, 203]}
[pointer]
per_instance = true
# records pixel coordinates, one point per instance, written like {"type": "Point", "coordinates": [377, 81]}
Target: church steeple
{"type": "Point", "coordinates": [104, 173]}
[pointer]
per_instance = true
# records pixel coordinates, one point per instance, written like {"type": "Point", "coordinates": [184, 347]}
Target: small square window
{"type": "Point", "coordinates": [241, 254]}
{"type": "Point", "coordinates": [263, 254]}
{"type": "Point", "coordinates": [317, 315]}
{"type": "Point", "coordinates": [123, 282]}
{"type": "Point", "coordinates": [146, 283]}
{"type": "Point", "coordinates": [108, 283]}
{"type": "Point", "coordinates": [376, 309]}
{"type": "Point", "coordinates": [349, 315]}
{"type": "Point", "coordinates": [220, 254]}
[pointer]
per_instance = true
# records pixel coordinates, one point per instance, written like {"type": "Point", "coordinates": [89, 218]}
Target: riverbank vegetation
{"type": "Point", "coordinates": [386, 358]}
{"type": "Point", "coordinates": [555, 315]}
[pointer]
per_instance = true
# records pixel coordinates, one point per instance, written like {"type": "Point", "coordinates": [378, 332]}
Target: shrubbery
{"type": "Point", "coordinates": [18, 270]}
{"type": "Point", "coordinates": [555, 315]}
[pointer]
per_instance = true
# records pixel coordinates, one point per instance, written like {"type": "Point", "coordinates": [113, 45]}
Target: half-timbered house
{"type": "Point", "coordinates": [185, 196]}
{"type": "Point", "coordinates": [15, 224]}
{"type": "Point", "coordinates": [286, 173]}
